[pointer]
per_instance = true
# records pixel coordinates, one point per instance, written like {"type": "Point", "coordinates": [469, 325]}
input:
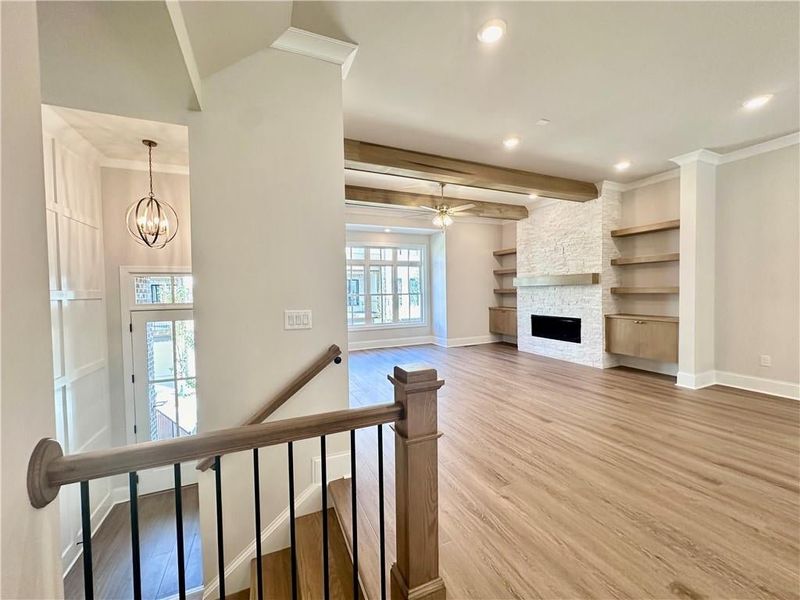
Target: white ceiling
{"type": "Point", "coordinates": [121, 137]}
{"type": "Point", "coordinates": [643, 81]}
{"type": "Point", "coordinates": [222, 33]}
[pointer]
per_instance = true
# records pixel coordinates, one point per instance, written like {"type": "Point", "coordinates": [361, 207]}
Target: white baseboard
{"type": "Point", "coordinates": [391, 342]}
{"type": "Point", "coordinates": [773, 387]}
{"type": "Point", "coordinates": [275, 535]}
{"type": "Point", "coordinates": [466, 341]}
{"type": "Point", "coordinates": [695, 381]}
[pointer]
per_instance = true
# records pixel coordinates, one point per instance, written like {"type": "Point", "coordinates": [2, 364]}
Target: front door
{"type": "Point", "coordinates": [165, 401]}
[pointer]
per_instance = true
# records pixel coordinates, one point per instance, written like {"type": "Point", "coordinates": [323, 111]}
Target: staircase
{"type": "Point", "coordinates": [277, 568]}
{"type": "Point", "coordinates": [382, 525]}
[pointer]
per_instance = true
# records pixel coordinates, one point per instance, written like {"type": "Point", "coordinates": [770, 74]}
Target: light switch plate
{"type": "Point", "coordinates": [297, 319]}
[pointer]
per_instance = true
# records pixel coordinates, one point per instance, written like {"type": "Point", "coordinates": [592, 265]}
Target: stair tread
{"type": "Point", "coordinates": [309, 558]}
{"type": "Point", "coordinates": [277, 566]}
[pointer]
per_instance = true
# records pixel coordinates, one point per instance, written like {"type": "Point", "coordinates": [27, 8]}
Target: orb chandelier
{"type": "Point", "coordinates": [151, 222]}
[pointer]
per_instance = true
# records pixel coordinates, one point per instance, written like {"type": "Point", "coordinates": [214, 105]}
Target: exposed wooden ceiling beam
{"type": "Point", "coordinates": [363, 156]}
{"type": "Point", "coordinates": [491, 210]}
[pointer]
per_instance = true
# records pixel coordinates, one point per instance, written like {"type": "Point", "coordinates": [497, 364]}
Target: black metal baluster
{"type": "Point", "coordinates": [220, 550]}
{"type": "Point", "coordinates": [179, 532]}
{"type": "Point", "coordinates": [380, 512]}
{"type": "Point", "coordinates": [133, 481]}
{"type": "Point", "coordinates": [325, 576]}
{"type": "Point", "coordinates": [354, 508]}
{"type": "Point", "coordinates": [257, 499]}
{"type": "Point", "coordinates": [86, 524]}
{"type": "Point", "coordinates": [291, 522]}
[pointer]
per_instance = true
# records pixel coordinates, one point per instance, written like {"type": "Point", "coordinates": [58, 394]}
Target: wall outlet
{"type": "Point", "coordinates": [297, 319]}
{"type": "Point", "coordinates": [765, 360]}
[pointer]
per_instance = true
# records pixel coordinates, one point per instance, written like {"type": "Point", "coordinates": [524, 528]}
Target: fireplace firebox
{"type": "Point", "coordinates": [565, 329]}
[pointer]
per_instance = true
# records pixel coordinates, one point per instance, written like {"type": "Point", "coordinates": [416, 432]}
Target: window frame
{"type": "Point", "coordinates": [367, 262]}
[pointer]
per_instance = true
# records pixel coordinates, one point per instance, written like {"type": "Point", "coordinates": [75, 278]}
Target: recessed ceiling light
{"type": "Point", "coordinates": [533, 196]}
{"type": "Point", "coordinates": [622, 165]}
{"type": "Point", "coordinates": [492, 31]}
{"type": "Point", "coordinates": [511, 142]}
{"type": "Point", "coordinates": [543, 122]}
{"type": "Point", "coordinates": [387, 230]}
{"type": "Point", "coordinates": [757, 102]}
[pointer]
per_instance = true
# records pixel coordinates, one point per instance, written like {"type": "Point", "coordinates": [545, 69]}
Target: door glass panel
{"type": "Point", "coordinates": [153, 290]}
{"type": "Point", "coordinates": [163, 419]}
{"type": "Point", "coordinates": [187, 407]}
{"type": "Point", "coordinates": [159, 350]}
{"type": "Point", "coordinates": [183, 289]}
{"type": "Point", "coordinates": [184, 348]}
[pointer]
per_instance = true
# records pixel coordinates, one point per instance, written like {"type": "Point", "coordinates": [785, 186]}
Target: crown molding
{"type": "Point", "coordinates": [702, 155]}
{"type": "Point", "coordinates": [653, 179]}
{"type": "Point", "coordinates": [610, 186]}
{"type": "Point", "coordinates": [307, 43]}
{"type": "Point", "coordinates": [140, 165]}
{"type": "Point", "coordinates": [776, 144]}
{"type": "Point", "coordinates": [185, 45]}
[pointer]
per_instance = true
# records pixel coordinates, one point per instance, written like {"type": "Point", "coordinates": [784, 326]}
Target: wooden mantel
{"type": "Point", "coordinates": [491, 210]}
{"type": "Point", "coordinates": [374, 158]}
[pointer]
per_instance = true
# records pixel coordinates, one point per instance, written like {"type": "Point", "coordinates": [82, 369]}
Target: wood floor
{"type": "Point", "coordinates": [562, 481]}
{"type": "Point", "coordinates": [111, 550]}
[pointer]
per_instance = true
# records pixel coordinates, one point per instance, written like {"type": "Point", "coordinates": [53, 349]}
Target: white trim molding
{"type": "Point", "coordinates": [775, 144]}
{"type": "Point", "coordinates": [185, 45]}
{"type": "Point", "coordinates": [771, 387]}
{"type": "Point", "coordinates": [313, 45]}
{"type": "Point", "coordinates": [640, 183]}
{"type": "Point", "coordinates": [417, 340]}
{"type": "Point", "coordinates": [141, 165]}
{"type": "Point", "coordinates": [702, 155]}
{"type": "Point", "coordinates": [467, 341]}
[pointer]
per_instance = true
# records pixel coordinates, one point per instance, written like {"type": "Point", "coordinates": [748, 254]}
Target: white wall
{"type": "Point", "coordinates": [757, 300]}
{"type": "Point", "coordinates": [470, 281]}
{"type": "Point", "coordinates": [268, 234]}
{"type": "Point", "coordinates": [29, 553]}
{"type": "Point", "coordinates": [120, 187]}
{"type": "Point", "coordinates": [78, 314]}
{"type": "Point", "coordinates": [382, 337]}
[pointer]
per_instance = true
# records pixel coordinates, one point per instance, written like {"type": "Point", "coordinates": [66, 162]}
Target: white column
{"type": "Point", "coordinates": [697, 264]}
{"type": "Point", "coordinates": [31, 565]}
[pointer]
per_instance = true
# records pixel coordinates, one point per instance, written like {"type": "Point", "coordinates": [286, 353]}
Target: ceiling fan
{"type": "Point", "coordinates": [445, 213]}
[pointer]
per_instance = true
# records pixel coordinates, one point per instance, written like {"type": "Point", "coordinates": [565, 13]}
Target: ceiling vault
{"type": "Point", "coordinates": [374, 158]}
{"type": "Point", "coordinates": [490, 210]}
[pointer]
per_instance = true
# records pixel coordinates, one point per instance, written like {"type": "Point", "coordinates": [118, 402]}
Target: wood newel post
{"type": "Point", "coordinates": [416, 572]}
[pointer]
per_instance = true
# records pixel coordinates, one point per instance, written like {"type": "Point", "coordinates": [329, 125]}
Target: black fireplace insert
{"type": "Point", "coordinates": [566, 329]}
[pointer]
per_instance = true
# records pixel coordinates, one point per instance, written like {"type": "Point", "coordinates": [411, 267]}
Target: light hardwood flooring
{"type": "Point", "coordinates": [563, 481]}
{"type": "Point", "coordinates": [111, 550]}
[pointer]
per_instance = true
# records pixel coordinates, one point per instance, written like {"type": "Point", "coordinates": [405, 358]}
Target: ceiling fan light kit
{"type": "Point", "coordinates": [444, 213]}
{"type": "Point", "coordinates": [151, 222]}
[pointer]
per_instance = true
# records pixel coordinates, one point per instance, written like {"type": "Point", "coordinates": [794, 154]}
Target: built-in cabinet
{"type": "Point", "coordinates": [645, 280]}
{"type": "Point", "coordinates": [503, 318]}
{"type": "Point", "coordinates": [646, 336]}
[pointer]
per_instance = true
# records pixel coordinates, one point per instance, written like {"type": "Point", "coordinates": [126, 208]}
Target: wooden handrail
{"type": "Point", "coordinates": [49, 469]}
{"type": "Point", "coordinates": [332, 354]}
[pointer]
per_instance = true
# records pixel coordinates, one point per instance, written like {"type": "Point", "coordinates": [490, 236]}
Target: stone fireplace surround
{"type": "Point", "coordinates": [568, 238]}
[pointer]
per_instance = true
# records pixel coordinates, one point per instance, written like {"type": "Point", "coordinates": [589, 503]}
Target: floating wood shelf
{"type": "Point", "coordinates": [505, 290]}
{"type": "Point", "coordinates": [645, 290]}
{"type": "Point", "coordinates": [662, 226]}
{"type": "Point", "coordinates": [634, 317]}
{"type": "Point", "coordinates": [643, 260]}
{"type": "Point", "coordinates": [509, 271]}
{"type": "Point", "coordinates": [552, 280]}
{"type": "Point", "coordinates": [505, 252]}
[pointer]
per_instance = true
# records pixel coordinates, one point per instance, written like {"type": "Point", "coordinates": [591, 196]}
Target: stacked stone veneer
{"type": "Point", "coordinates": [560, 238]}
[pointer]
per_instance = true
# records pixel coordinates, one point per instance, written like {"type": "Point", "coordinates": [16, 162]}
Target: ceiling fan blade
{"type": "Point", "coordinates": [462, 207]}
{"type": "Point", "coordinates": [429, 208]}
